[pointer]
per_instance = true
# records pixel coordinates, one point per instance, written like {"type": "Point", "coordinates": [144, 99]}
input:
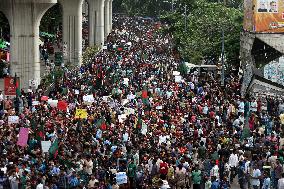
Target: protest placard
{"type": "Point", "coordinates": [178, 78]}
{"type": "Point", "coordinates": [45, 145]}
{"type": "Point", "coordinates": [35, 103]}
{"type": "Point", "coordinates": [52, 103]}
{"type": "Point", "coordinates": [88, 99]}
{"type": "Point", "coordinates": [121, 178]}
{"type": "Point", "coordinates": [13, 119]}
{"type": "Point", "coordinates": [81, 114]}
{"type": "Point", "coordinates": [176, 73]}
{"type": "Point", "coordinates": [23, 137]}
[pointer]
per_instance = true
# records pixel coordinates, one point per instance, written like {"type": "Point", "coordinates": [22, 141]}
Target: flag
{"type": "Point", "coordinates": [62, 105]}
{"type": "Point", "coordinates": [102, 124]}
{"type": "Point", "coordinates": [144, 94]}
{"type": "Point", "coordinates": [53, 150]}
{"type": "Point", "coordinates": [40, 133]}
{"type": "Point", "coordinates": [138, 124]}
{"type": "Point", "coordinates": [17, 86]}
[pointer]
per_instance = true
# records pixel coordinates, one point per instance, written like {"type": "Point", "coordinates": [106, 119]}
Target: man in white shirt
{"type": "Point", "coordinates": [40, 185]}
{"type": "Point", "coordinates": [255, 178]}
{"type": "Point", "coordinates": [281, 182]}
{"type": "Point", "coordinates": [233, 162]}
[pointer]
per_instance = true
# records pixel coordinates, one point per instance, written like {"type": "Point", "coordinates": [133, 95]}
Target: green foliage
{"type": "Point", "coordinates": [183, 69]}
{"type": "Point", "coordinates": [52, 19]}
{"type": "Point", "coordinates": [55, 75]}
{"type": "Point", "coordinates": [4, 24]}
{"type": "Point", "coordinates": [89, 53]}
{"type": "Point", "coordinates": [202, 38]}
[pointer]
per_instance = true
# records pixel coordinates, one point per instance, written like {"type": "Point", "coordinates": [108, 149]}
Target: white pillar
{"type": "Point", "coordinates": [110, 16]}
{"type": "Point", "coordinates": [92, 22]}
{"type": "Point", "coordinates": [24, 17]}
{"type": "Point", "coordinates": [96, 22]}
{"type": "Point", "coordinates": [106, 18]}
{"type": "Point", "coordinates": [72, 31]}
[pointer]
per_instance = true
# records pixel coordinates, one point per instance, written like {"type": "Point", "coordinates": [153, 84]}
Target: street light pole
{"type": "Point", "coordinates": [222, 59]}
{"type": "Point", "coordinates": [185, 18]}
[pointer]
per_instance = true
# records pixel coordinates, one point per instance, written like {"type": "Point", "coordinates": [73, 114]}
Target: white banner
{"type": "Point", "coordinates": [45, 145]}
{"type": "Point", "coordinates": [89, 98]}
{"type": "Point", "coordinates": [13, 119]}
{"type": "Point", "coordinates": [121, 178]}
{"type": "Point", "coordinates": [52, 103]}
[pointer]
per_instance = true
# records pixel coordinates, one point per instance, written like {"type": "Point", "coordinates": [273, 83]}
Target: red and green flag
{"type": "Point", "coordinates": [40, 133]}
{"type": "Point", "coordinates": [17, 86]}
{"type": "Point", "coordinates": [102, 124]}
{"type": "Point", "coordinates": [53, 150]}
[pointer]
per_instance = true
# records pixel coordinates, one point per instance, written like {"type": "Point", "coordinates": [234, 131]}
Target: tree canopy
{"type": "Point", "coordinates": [199, 34]}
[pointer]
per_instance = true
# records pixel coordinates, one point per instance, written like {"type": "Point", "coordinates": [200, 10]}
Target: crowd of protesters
{"type": "Point", "coordinates": [162, 131]}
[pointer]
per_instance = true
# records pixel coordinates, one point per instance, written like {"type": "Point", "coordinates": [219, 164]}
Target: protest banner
{"type": "Point", "coordinates": [13, 119]}
{"type": "Point", "coordinates": [45, 145]}
{"type": "Point", "coordinates": [88, 99]}
{"type": "Point", "coordinates": [81, 114]}
{"type": "Point", "coordinates": [121, 178]}
{"type": "Point", "coordinates": [175, 73]}
{"type": "Point", "coordinates": [9, 86]}
{"type": "Point", "coordinates": [52, 103]}
{"type": "Point", "coordinates": [35, 103]}
{"type": "Point", "coordinates": [23, 137]}
{"type": "Point", "coordinates": [62, 105]}
{"type": "Point", "coordinates": [178, 78]}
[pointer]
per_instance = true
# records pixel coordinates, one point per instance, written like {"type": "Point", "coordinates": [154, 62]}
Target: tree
{"type": "Point", "coordinates": [52, 19]}
{"type": "Point", "coordinates": [202, 39]}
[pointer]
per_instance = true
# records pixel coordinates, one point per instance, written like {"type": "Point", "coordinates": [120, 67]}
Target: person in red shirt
{"type": "Point", "coordinates": [164, 169]}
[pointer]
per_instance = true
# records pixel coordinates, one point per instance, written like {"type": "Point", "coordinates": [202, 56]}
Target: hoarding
{"type": "Point", "coordinates": [9, 86]}
{"type": "Point", "coordinates": [264, 16]}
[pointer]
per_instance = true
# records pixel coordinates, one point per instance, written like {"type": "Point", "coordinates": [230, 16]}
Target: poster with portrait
{"type": "Point", "coordinates": [264, 16]}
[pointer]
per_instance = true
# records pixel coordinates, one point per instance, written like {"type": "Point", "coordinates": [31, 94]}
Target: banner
{"type": "Point", "coordinates": [9, 86]}
{"type": "Point", "coordinates": [178, 78]}
{"type": "Point", "coordinates": [62, 105]}
{"type": "Point", "coordinates": [264, 16]}
{"type": "Point", "coordinates": [81, 114]}
{"type": "Point", "coordinates": [23, 137]}
{"type": "Point", "coordinates": [45, 145]}
{"type": "Point", "coordinates": [13, 119]}
{"type": "Point", "coordinates": [52, 103]}
{"type": "Point", "coordinates": [89, 99]}
{"type": "Point", "coordinates": [121, 178]}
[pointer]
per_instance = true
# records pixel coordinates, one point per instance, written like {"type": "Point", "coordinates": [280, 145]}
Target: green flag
{"type": "Point", "coordinates": [53, 150]}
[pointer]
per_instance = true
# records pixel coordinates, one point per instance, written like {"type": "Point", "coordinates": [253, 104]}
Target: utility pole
{"type": "Point", "coordinates": [222, 59]}
{"type": "Point", "coordinates": [172, 5]}
{"type": "Point", "coordinates": [185, 18]}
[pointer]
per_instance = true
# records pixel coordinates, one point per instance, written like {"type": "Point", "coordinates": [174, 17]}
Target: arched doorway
{"type": "Point", "coordinates": [51, 52]}
{"type": "Point", "coordinates": [4, 46]}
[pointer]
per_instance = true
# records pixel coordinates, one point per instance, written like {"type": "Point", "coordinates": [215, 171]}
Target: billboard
{"type": "Point", "coordinates": [9, 86]}
{"type": "Point", "coordinates": [264, 16]}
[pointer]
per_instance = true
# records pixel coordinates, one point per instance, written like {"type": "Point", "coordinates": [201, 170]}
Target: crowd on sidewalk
{"type": "Point", "coordinates": [130, 111]}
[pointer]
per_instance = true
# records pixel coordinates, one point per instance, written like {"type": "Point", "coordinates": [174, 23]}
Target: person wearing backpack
{"type": "Point", "coordinates": [196, 177]}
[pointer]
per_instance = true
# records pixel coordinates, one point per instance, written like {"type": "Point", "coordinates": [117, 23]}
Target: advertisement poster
{"type": "Point", "coordinates": [9, 86]}
{"type": "Point", "coordinates": [264, 16]}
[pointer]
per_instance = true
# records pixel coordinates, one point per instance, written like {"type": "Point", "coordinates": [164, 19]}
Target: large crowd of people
{"type": "Point", "coordinates": [140, 117]}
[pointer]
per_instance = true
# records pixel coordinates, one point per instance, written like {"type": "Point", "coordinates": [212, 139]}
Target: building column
{"type": "Point", "coordinates": [96, 22]}
{"type": "Point", "coordinates": [106, 18]}
{"type": "Point", "coordinates": [72, 31]}
{"type": "Point", "coordinates": [24, 18]}
{"type": "Point", "coordinates": [110, 16]}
